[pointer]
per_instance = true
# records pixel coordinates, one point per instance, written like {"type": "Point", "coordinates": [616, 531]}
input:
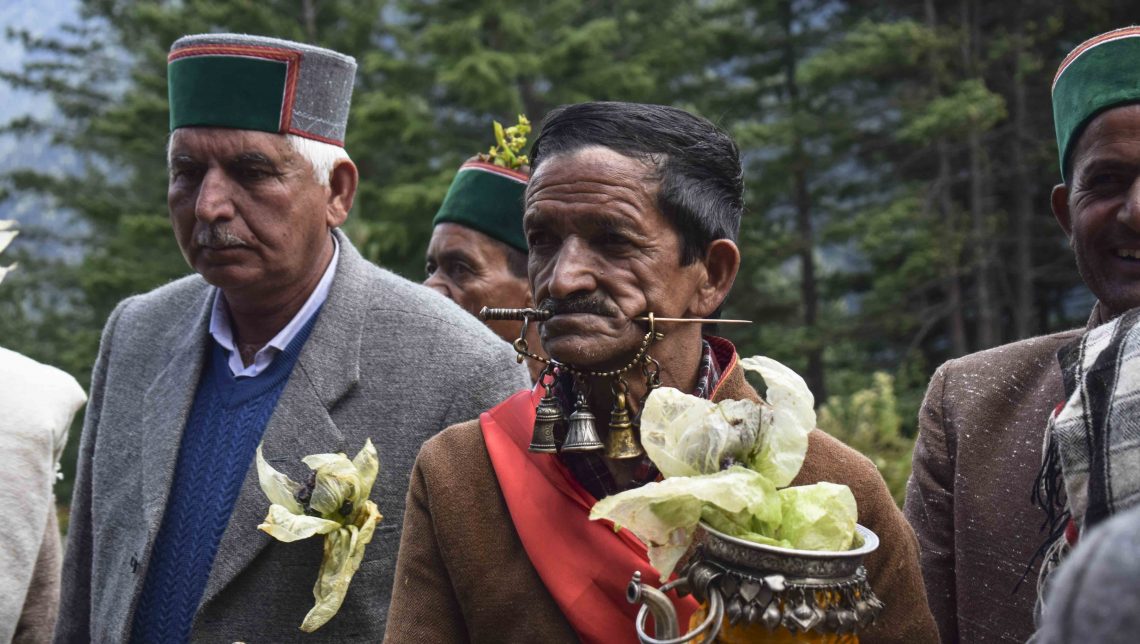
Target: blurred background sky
{"type": "Point", "coordinates": [41, 18]}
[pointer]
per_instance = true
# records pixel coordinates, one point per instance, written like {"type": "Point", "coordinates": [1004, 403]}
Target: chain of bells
{"type": "Point", "coordinates": [837, 606]}
{"type": "Point", "coordinates": [553, 432]}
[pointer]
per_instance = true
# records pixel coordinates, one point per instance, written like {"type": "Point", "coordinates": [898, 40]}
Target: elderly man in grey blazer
{"type": "Point", "coordinates": [286, 338]}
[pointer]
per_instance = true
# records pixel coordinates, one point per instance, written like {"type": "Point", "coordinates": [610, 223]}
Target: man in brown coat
{"type": "Point", "coordinates": [983, 420]}
{"type": "Point", "coordinates": [631, 209]}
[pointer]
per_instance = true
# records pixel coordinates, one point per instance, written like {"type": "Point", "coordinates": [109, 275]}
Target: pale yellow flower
{"type": "Point", "coordinates": [337, 506]}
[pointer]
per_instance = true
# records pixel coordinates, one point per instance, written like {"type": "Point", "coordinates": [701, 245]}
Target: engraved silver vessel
{"type": "Point", "coordinates": [750, 583]}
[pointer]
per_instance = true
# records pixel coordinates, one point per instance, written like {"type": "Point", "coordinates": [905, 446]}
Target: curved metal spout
{"type": "Point", "coordinates": [664, 613]}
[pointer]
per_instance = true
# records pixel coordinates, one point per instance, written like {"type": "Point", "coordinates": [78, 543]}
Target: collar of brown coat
{"type": "Point", "coordinates": [733, 385]}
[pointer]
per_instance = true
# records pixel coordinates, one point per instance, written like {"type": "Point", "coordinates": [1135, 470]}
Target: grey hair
{"type": "Point", "coordinates": [322, 156]}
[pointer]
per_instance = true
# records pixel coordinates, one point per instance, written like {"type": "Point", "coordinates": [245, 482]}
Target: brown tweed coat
{"type": "Point", "coordinates": [981, 427]}
{"type": "Point", "coordinates": [462, 573]}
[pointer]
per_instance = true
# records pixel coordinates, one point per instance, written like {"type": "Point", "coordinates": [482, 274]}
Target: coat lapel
{"type": "Point", "coordinates": [299, 426]}
{"type": "Point", "coordinates": [732, 385]}
{"type": "Point", "coordinates": [327, 369]}
{"type": "Point", "coordinates": [166, 405]}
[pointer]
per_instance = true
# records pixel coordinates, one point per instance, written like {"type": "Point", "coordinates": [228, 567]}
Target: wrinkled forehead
{"type": "Point", "coordinates": [220, 140]}
{"type": "Point", "coordinates": [593, 163]}
{"type": "Point", "coordinates": [590, 181]}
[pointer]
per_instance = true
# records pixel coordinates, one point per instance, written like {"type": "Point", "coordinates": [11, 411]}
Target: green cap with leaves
{"type": "Point", "coordinates": [1101, 73]}
{"type": "Point", "coordinates": [487, 192]}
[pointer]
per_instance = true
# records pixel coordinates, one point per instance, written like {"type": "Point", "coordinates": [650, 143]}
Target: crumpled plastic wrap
{"type": "Point", "coordinates": [780, 451]}
{"type": "Point", "coordinates": [686, 436]}
{"type": "Point", "coordinates": [818, 517]}
{"type": "Point", "coordinates": [723, 464]}
{"type": "Point", "coordinates": [336, 506]}
{"type": "Point", "coordinates": [665, 514]}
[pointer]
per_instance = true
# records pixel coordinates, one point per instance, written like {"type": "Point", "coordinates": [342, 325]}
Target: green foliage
{"type": "Point", "coordinates": [970, 107]}
{"type": "Point", "coordinates": [870, 421]}
{"type": "Point", "coordinates": [873, 50]}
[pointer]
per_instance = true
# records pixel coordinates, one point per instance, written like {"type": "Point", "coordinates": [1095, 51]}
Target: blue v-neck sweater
{"type": "Point", "coordinates": [222, 432]}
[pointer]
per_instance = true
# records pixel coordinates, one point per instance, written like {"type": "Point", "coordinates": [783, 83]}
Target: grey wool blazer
{"type": "Point", "coordinates": [387, 360]}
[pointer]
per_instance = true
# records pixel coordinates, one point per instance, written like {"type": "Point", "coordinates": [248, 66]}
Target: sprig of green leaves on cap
{"type": "Point", "coordinates": [509, 144]}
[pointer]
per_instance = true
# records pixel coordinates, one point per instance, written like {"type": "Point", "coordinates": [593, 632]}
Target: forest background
{"type": "Point", "coordinates": [898, 158]}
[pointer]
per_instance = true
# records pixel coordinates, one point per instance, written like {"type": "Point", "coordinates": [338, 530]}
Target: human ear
{"type": "Point", "coordinates": [342, 190]}
{"type": "Point", "coordinates": [721, 264]}
{"type": "Point", "coordinates": [1060, 202]}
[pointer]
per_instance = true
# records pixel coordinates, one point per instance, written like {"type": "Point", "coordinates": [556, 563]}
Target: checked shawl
{"type": "Point", "coordinates": [1096, 434]}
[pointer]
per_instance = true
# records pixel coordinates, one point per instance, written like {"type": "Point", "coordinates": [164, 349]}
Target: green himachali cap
{"type": "Point", "coordinates": [489, 199]}
{"type": "Point", "coordinates": [258, 83]}
{"type": "Point", "coordinates": [487, 192]}
{"type": "Point", "coordinates": [1101, 73]}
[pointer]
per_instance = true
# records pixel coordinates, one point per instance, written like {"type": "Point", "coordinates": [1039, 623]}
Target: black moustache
{"type": "Point", "coordinates": [586, 304]}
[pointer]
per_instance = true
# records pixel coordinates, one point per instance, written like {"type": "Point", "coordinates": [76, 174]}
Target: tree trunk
{"type": "Point", "coordinates": [533, 105]}
{"type": "Point", "coordinates": [945, 210]}
{"type": "Point", "coordinates": [1023, 318]}
{"type": "Point", "coordinates": [980, 237]}
{"type": "Point", "coordinates": [958, 341]}
{"type": "Point", "coordinates": [801, 197]}
{"type": "Point", "coordinates": [309, 16]}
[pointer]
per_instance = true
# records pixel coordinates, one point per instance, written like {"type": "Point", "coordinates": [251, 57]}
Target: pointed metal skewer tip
{"type": "Point", "coordinates": [693, 320]}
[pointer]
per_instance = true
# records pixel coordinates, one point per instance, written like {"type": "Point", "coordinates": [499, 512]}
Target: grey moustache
{"type": "Point", "coordinates": [218, 238]}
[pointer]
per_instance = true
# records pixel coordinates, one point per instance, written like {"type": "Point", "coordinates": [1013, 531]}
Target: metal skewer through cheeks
{"type": "Point", "coordinates": [541, 315]}
{"type": "Point", "coordinates": [523, 349]}
{"type": "Point", "coordinates": [538, 315]}
{"type": "Point", "coordinates": [621, 441]}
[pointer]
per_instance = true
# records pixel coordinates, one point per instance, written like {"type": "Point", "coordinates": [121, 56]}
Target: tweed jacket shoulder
{"type": "Point", "coordinates": [981, 428]}
{"type": "Point", "coordinates": [463, 575]}
{"type": "Point", "coordinates": [386, 360]}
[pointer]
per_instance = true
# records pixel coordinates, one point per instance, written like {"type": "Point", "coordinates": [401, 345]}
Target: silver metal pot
{"type": "Point", "coordinates": [800, 590]}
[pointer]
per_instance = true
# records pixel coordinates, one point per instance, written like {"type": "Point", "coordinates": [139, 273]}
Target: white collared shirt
{"type": "Point", "coordinates": [223, 333]}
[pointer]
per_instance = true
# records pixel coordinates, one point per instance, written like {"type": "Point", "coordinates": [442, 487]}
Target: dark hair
{"type": "Point", "coordinates": [701, 187]}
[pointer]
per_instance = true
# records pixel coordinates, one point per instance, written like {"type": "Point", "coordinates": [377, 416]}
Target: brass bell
{"type": "Point", "coordinates": [620, 442]}
{"type": "Point", "coordinates": [547, 416]}
{"type": "Point", "coordinates": [582, 437]}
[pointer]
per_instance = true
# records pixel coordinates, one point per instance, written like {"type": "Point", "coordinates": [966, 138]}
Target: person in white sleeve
{"type": "Point", "coordinates": [37, 404]}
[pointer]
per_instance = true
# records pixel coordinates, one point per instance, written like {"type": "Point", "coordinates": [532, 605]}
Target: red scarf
{"type": "Point", "coordinates": [584, 564]}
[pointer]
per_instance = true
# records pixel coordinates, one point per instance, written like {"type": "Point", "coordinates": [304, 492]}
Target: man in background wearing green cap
{"type": "Point", "coordinates": [285, 341]}
{"type": "Point", "coordinates": [983, 421]}
{"type": "Point", "coordinates": [477, 254]}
